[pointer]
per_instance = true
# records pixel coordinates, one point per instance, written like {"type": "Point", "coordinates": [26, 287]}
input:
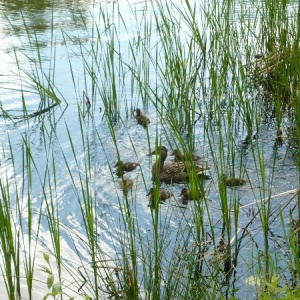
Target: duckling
{"type": "Point", "coordinates": [174, 172]}
{"type": "Point", "coordinates": [125, 167]}
{"type": "Point", "coordinates": [185, 157]}
{"type": "Point", "coordinates": [233, 181]}
{"type": "Point", "coordinates": [126, 184]}
{"type": "Point", "coordinates": [258, 56]}
{"type": "Point", "coordinates": [187, 194]}
{"type": "Point", "coordinates": [141, 119]}
{"type": "Point", "coordinates": [163, 195]}
{"type": "Point", "coordinates": [279, 138]}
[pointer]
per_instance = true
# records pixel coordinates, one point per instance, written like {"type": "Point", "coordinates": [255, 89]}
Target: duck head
{"type": "Point", "coordinates": [138, 112]}
{"type": "Point", "coordinates": [162, 153]}
{"type": "Point", "coordinates": [160, 150]}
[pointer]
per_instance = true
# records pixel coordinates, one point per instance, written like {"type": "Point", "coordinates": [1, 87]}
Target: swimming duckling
{"type": "Point", "coordinates": [174, 172]}
{"type": "Point", "coordinates": [187, 194]}
{"type": "Point", "coordinates": [126, 184]}
{"type": "Point", "coordinates": [279, 138]}
{"type": "Point", "coordinates": [185, 157]}
{"type": "Point", "coordinates": [258, 56]}
{"type": "Point", "coordinates": [125, 167]}
{"type": "Point", "coordinates": [163, 195]}
{"type": "Point", "coordinates": [233, 181]}
{"type": "Point", "coordinates": [141, 119]}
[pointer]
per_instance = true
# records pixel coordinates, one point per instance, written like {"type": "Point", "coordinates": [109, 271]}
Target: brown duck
{"type": "Point", "coordinates": [125, 166]}
{"type": "Point", "coordinates": [163, 195]}
{"type": "Point", "coordinates": [141, 119]}
{"type": "Point", "coordinates": [174, 172]}
{"type": "Point", "coordinates": [185, 157]}
{"type": "Point", "coordinates": [233, 181]}
{"type": "Point", "coordinates": [187, 194]}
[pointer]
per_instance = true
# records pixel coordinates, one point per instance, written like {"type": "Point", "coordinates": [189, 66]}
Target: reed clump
{"type": "Point", "coordinates": [202, 103]}
{"type": "Point", "coordinates": [276, 76]}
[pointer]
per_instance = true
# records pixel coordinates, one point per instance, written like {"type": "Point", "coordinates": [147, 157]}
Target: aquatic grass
{"type": "Point", "coordinates": [276, 38]}
{"type": "Point", "coordinates": [178, 94]}
{"type": "Point", "coordinates": [22, 226]}
{"type": "Point", "coordinates": [86, 202]}
{"type": "Point", "coordinates": [225, 209]}
{"type": "Point", "coordinates": [175, 127]}
{"type": "Point", "coordinates": [9, 247]}
{"type": "Point", "coordinates": [230, 158]}
{"type": "Point", "coordinates": [40, 80]}
{"type": "Point", "coordinates": [27, 226]}
{"type": "Point", "coordinates": [177, 72]}
{"type": "Point", "coordinates": [33, 78]}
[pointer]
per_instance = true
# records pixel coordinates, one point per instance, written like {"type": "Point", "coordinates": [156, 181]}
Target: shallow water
{"type": "Point", "coordinates": [76, 19]}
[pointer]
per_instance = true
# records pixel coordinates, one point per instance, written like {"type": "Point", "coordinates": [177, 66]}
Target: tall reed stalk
{"type": "Point", "coordinates": [185, 66]}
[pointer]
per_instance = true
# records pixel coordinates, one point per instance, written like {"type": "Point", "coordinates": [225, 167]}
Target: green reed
{"type": "Point", "coordinates": [9, 247]}
{"type": "Point", "coordinates": [200, 79]}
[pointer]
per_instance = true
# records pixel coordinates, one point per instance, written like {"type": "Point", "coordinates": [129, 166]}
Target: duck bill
{"type": "Point", "coordinates": [159, 151]}
{"type": "Point", "coordinates": [152, 153]}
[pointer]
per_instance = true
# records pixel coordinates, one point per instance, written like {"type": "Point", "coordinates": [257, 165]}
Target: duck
{"type": "Point", "coordinates": [185, 157]}
{"type": "Point", "coordinates": [233, 181]}
{"type": "Point", "coordinates": [141, 119]}
{"type": "Point", "coordinates": [126, 184]}
{"type": "Point", "coordinates": [163, 195]}
{"type": "Point", "coordinates": [174, 172]}
{"type": "Point", "coordinates": [187, 194]}
{"type": "Point", "coordinates": [125, 166]}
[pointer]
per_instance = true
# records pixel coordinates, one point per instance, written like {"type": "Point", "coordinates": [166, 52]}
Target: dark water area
{"type": "Point", "coordinates": [58, 35]}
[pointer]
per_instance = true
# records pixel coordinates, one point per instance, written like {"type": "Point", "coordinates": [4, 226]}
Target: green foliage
{"type": "Point", "coordinates": [204, 99]}
{"type": "Point", "coordinates": [274, 290]}
{"type": "Point", "coordinates": [55, 287]}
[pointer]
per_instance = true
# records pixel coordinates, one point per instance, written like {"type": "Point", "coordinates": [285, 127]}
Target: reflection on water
{"type": "Point", "coordinates": [14, 5]}
{"type": "Point", "coordinates": [40, 16]}
{"type": "Point", "coordinates": [42, 5]}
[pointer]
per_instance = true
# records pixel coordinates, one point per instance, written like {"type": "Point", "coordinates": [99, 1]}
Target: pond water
{"type": "Point", "coordinates": [57, 37]}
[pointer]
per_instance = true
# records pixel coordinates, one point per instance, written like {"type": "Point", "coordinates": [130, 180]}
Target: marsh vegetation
{"type": "Point", "coordinates": [83, 214]}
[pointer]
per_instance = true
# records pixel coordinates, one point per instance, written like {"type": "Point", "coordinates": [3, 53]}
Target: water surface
{"type": "Point", "coordinates": [59, 36]}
